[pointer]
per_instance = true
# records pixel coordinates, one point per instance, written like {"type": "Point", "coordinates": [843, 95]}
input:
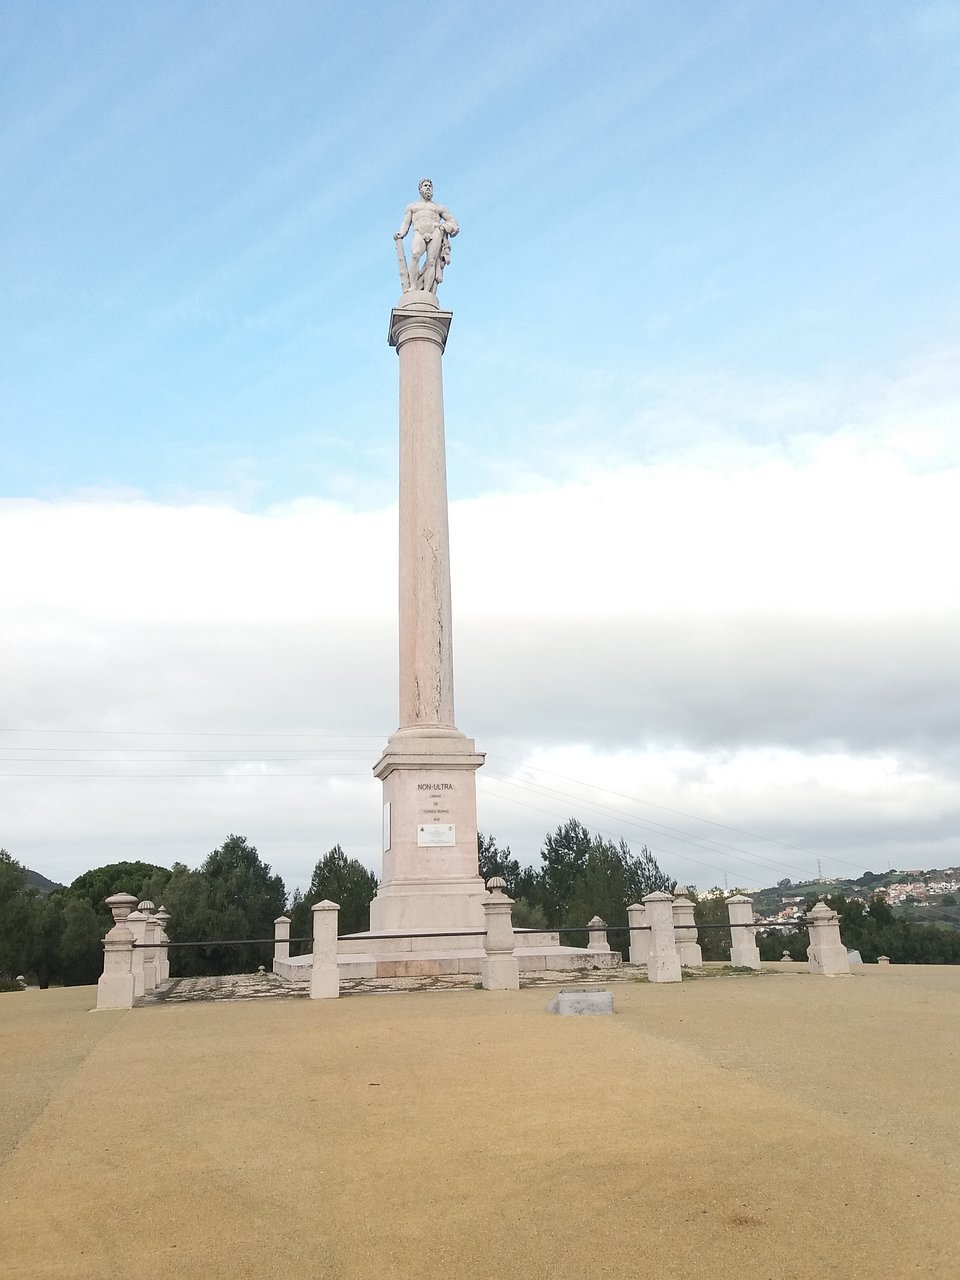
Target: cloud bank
{"type": "Point", "coordinates": [768, 643]}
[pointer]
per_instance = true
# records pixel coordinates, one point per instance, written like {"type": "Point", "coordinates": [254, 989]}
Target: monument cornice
{"type": "Point", "coordinates": [421, 748]}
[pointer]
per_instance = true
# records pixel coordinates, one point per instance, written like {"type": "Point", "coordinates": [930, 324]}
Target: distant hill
{"type": "Point", "coordinates": [923, 897]}
{"type": "Point", "coordinates": [42, 885]}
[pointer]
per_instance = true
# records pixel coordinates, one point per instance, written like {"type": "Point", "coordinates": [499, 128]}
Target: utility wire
{"type": "Point", "coordinates": [670, 832]}
{"type": "Point", "coordinates": [755, 835]}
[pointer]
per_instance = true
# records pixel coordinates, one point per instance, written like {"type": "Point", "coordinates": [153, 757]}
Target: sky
{"type": "Point", "coordinates": [702, 396]}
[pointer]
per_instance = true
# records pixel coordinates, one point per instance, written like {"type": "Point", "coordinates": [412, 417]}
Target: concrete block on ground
{"type": "Point", "coordinates": [581, 1003]}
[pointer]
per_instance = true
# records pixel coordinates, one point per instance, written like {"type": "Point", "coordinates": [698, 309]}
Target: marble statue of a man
{"type": "Point", "coordinates": [433, 225]}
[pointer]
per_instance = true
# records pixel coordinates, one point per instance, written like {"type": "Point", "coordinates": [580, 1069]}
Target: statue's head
{"type": "Point", "coordinates": [426, 188]}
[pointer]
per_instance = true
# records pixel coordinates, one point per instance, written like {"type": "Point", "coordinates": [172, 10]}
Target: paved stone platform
{"type": "Point", "coordinates": [267, 986]}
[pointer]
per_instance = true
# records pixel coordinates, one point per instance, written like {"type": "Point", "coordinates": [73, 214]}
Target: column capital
{"type": "Point", "coordinates": [418, 319]}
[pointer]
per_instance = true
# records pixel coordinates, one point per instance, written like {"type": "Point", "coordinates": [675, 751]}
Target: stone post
{"type": "Point", "coordinates": [116, 987]}
{"type": "Point", "coordinates": [281, 940]}
{"type": "Point", "coordinates": [826, 954]}
{"type": "Point", "coordinates": [149, 950]}
{"type": "Point", "coordinates": [883, 962]}
{"type": "Point", "coordinates": [639, 936]}
{"type": "Point", "coordinates": [499, 969]}
{"type": "Point", "coordinates": [688, 948]}
{"type": "Point", "coordinates": [324, 976]}
{"type": "Point", "coordinates": [597, 935]}
{"type": "Point", "coordinates": [163, 955]}
{"type": "Point", "coordinates": [663, 964]}
{"type": "Point", "coordinates": [743, 942]}
{"type": "Point", "coordinates": [137, 924]}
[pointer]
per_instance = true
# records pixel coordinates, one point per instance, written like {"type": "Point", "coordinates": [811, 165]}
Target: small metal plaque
{"type": "Point", "coordinates": [437, 835]}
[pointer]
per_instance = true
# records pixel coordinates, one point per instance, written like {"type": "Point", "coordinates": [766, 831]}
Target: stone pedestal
{"type": "Point", "coordinates": [149, 932]}
{"type": "Point", "coordinates": [116, 988]}
{"type": "Point", "coordinates": [639, 934]}
{"type": "Point", "coordinates": [663, 963]}
{"type": "Point", "coordinates": [430, 879]}
{"type": "Point", "coordinates": [685, 929]}
{"type": "Point", "coordinates": [826, 953]}
{"type": "Point", "coordinates": [597, 935]}
{"type": "Point", "coordinates": [743, 939]}
{"type": "Point", "coordinates": [281, 941]}
{"type": "Point", "coordinates": [324, 974]}
{"type": "Point", "coordinates": [162, 918]}
{"type": "Point", "coordinates": [137, 924]}
{"type": "Point", "coordinates": [500, 970]}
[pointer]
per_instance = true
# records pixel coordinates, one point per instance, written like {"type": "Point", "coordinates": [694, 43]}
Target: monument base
{"type": "Point", "coordinates": [416, 905]}
{"type": "Point", "coordinates": [370, 955]}
{"type": "Point", "coordinates": [430, 878]}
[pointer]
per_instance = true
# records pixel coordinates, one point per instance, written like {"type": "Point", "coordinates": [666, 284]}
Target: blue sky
{"type": "Point", "coordinates": [702, 381]}
{"type": "Point", "coordinates": [200, 196]}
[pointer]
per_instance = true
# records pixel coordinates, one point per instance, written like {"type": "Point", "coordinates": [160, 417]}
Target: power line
{"type": "Point", "coordinates": [227, 777]}
{"type": "Point", "coordinates": [755, 835]}
{"type": "Point", "coordinates": [552, 813]}
{"type": "Point", "coordinates": [200, 733]}
{"type": "Point", "coordinates": [671, 832]}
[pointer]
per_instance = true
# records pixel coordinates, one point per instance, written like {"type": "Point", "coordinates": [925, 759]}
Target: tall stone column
{"type": "Point", "coordinates": [430, 879]}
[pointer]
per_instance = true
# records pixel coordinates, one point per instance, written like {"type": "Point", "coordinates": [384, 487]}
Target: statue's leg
{"type": "Point", "coordinates": [430, 266]}
{"type": "Point", "coordinates": [418, 247]}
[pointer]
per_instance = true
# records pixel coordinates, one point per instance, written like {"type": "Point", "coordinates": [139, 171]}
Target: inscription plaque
{"type": "Point", "coordinates": [436, 835]}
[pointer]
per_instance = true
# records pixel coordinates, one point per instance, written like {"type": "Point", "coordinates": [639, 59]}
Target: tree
{"type": "Point", "coordinates": [336, 878]}
{"type": "Point", "coordinates": [233, 896]}
{"type": "Point", "coordinates": [494, 861]}
{"type": "Point", "coordinates": [712, 910]}
{"type": "Point", "coordinates": [16, 917]}
{"type": "Point", "coordinates": [76, 958]}
{"type": "Point", "coordinates": [644, 874]}
{"type": "Point", "coordinates": [564, 856]}
{"type": "Point", "coordinates": [585, 875]}
{"type": "Point", "coordinates": [144, 880]}
{"type": "Point", "coordinates": [601, 891]}
{"type": "Point", "coordinates": [45, 954]}
{"type": "Point", "coordinates": [80, 944]}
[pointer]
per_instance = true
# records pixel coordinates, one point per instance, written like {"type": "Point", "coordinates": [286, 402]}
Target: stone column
{"type": "Point", "coordinates": [116, 987]}
{"type": "Point", "coordinates": [639, 936]}
{"type": "Point", "coordinates": [826, 953]}
{"type": "Point", "coordinates": [418, 329]}
{"type": "Point", "coordinates": [663, 964]}
{"type": "Point", "coordinates": [324, 976]}
{"type": "Point", "coordinates": [281, 940]}
{"type": "Point", "coordinates": [430, 878]}
{"type": "Point", "coordinates": [499, 969]}
{"type": "Point", "coordinates": [162, 918]}
{"type": "Point", "coordinates": [597, 935]}
{"type": "Point", "coordinates": [743, 941]}
{"type": "Point", "coordinates": [688, 948]}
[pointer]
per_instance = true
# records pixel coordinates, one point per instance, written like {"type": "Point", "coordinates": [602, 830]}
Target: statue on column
{"type": "Point", "coordinates": [433, 226]}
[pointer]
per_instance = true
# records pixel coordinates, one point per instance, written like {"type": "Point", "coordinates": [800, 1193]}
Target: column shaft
{"type": "Point", "coordinates": [426, 640]}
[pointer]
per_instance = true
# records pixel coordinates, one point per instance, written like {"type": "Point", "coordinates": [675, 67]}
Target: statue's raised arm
{"type": "Point", "coordinates": [433, 226]}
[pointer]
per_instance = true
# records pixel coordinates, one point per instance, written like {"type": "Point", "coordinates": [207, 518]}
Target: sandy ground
{"type": "Point", "coordinates": [772, 1126]}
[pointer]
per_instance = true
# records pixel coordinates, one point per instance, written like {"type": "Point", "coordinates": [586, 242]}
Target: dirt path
{"type": "Point", "coordinates": [778, 1127]}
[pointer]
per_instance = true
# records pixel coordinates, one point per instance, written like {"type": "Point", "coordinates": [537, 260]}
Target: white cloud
{"type": "Point", "coordinates": [771, 645]}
